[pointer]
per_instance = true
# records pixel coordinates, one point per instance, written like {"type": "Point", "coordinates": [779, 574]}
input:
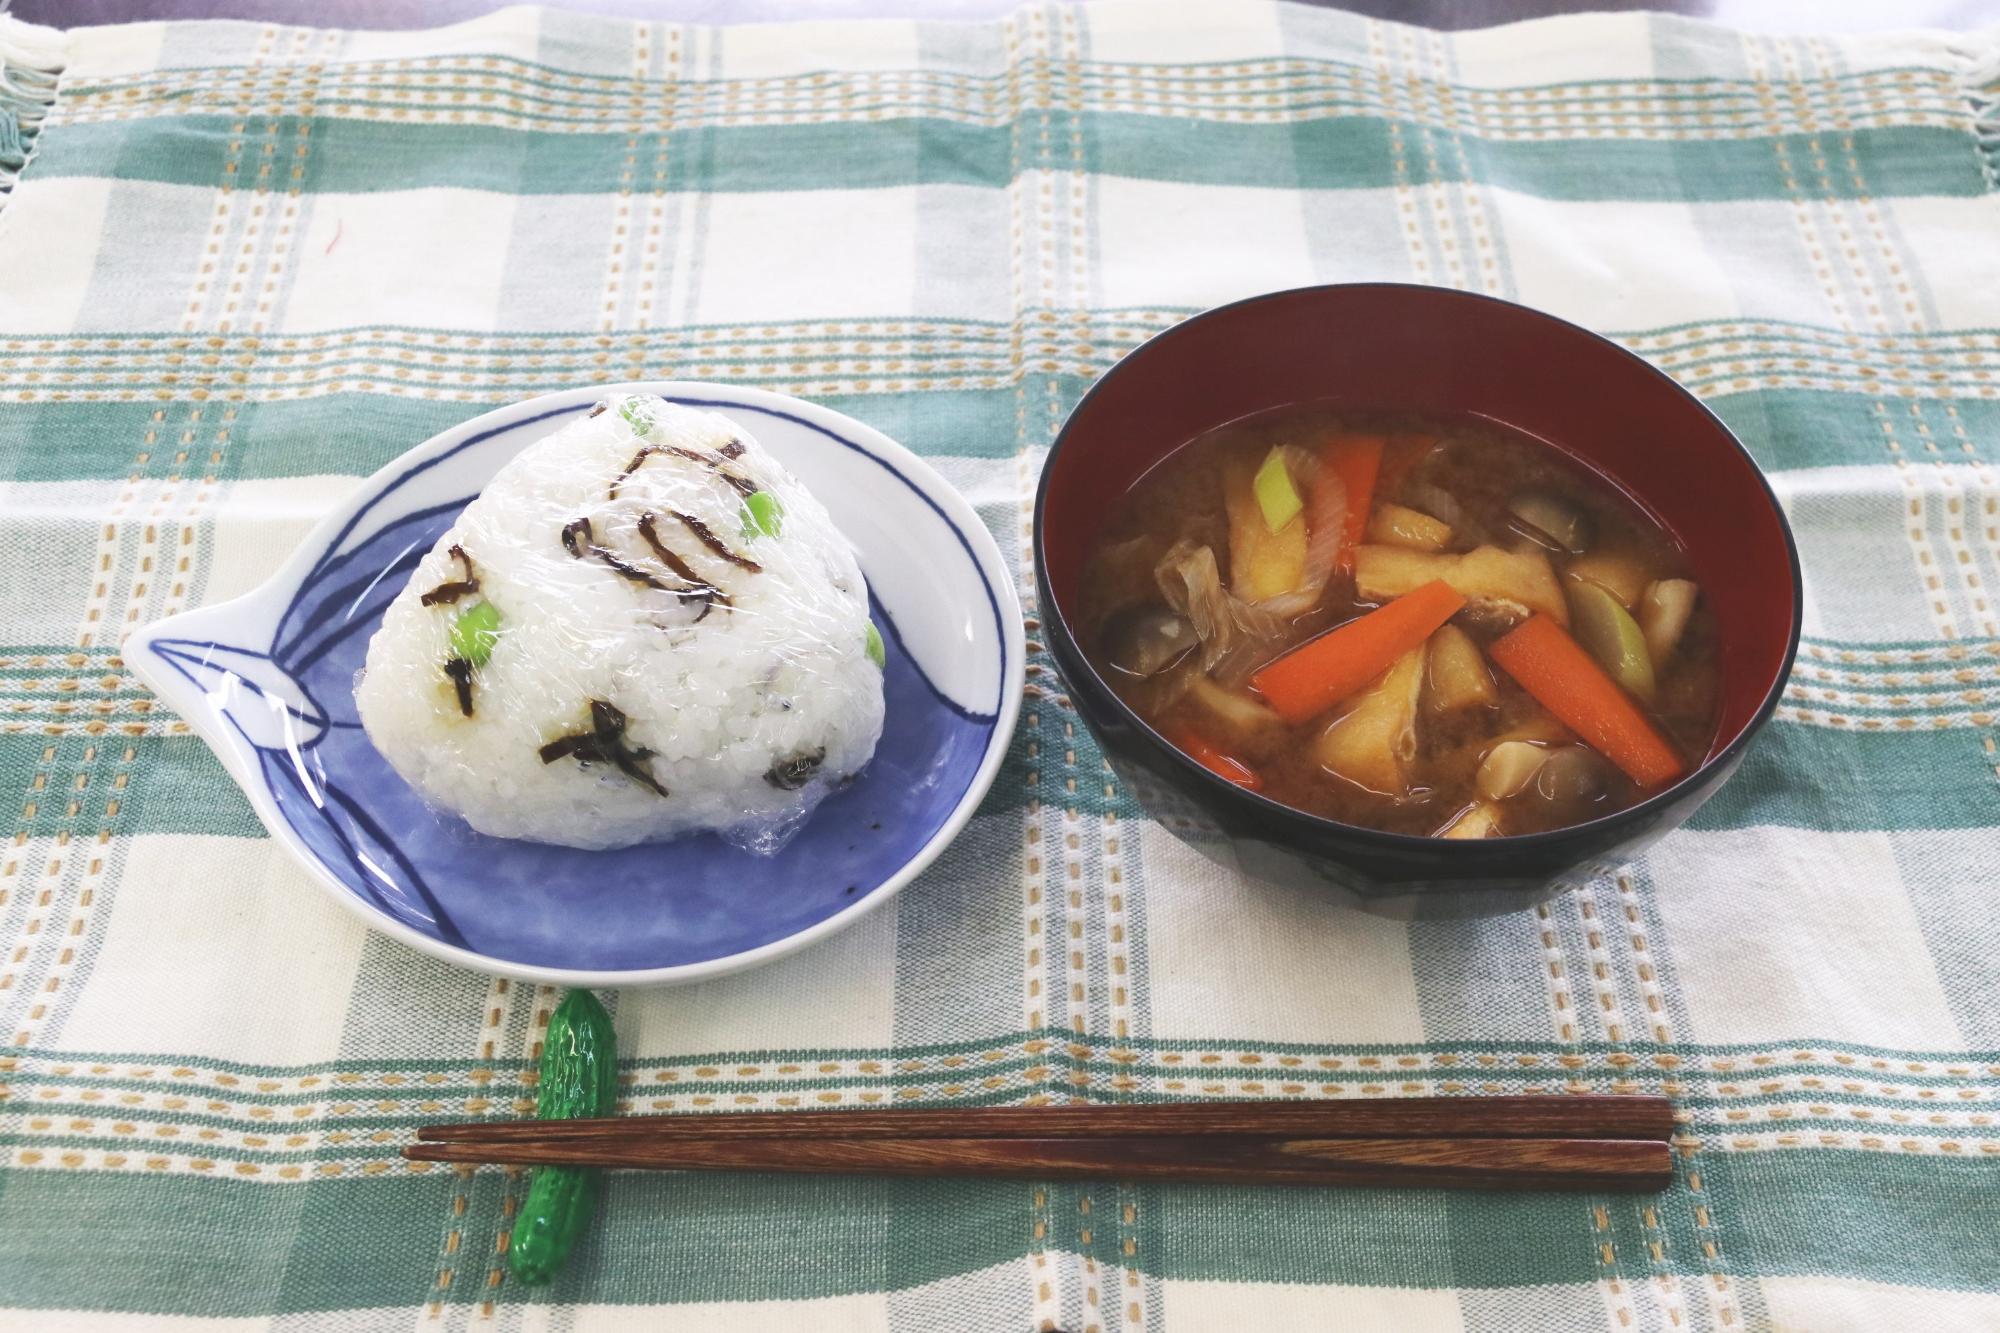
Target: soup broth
{"type": "Point", "coordinates": [1420, 624]}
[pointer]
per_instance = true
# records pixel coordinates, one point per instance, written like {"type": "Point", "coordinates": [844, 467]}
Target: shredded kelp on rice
{"type": "Point", "coordinates": [643, 627]}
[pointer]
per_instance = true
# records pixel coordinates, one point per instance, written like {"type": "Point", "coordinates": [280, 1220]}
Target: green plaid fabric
{"type": "Point", "coordinates": [245, 265]}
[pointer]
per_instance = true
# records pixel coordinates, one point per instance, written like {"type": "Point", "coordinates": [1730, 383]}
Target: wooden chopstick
{"type": "Point", "coordinates": [1524, 1164]}
{"type": "Point", "coordinates": [1546, 1117]}
{"type": "Point", "coordinates": [1573, 1143]}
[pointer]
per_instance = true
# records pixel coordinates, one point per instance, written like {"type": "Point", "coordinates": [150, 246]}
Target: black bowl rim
{"type": "Point", "coordinates": [1464, 849]}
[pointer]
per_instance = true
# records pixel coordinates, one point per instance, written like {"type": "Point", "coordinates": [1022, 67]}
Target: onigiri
{"type": "Point", "coordinates": [644, 627]}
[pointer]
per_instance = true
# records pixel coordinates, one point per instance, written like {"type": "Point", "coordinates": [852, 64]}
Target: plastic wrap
{"type": "Point", "coordinates": [643, 627]}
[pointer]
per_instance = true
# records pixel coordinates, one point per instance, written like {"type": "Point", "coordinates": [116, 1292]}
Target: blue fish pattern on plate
{"type": "Point", "coordinates": [268, 681]}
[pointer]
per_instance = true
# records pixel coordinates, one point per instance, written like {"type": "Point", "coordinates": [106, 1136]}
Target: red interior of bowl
{"type": "Point", "coordinates": [1435, 350]}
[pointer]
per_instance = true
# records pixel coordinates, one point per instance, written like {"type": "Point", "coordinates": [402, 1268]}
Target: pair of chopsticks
{"type": "Point", "coordinates": [1587, 1143]}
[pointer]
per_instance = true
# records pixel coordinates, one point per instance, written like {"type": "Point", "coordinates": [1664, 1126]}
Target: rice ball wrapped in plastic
{"type": "Point", "coordinates": [643, 627]}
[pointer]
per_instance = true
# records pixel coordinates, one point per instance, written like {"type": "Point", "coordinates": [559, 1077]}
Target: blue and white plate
{"type": "Point", "coordinates": [268, 681]}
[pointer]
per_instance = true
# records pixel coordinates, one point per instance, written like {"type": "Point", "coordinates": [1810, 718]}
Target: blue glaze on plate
{"type": "Point", "coordinates": [268, 680]}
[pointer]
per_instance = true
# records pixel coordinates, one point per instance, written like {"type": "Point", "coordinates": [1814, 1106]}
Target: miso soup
{"type": "Point", "coordinates": [1427, 625]}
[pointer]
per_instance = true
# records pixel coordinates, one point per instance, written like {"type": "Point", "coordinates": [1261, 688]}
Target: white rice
{"type": "Point", "coordinates": [771, 683]}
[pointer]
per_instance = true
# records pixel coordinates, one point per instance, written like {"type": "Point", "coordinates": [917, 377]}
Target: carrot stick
{"type": "Point", "coordinates": [1355, 459]}
{"type": "Point", "coordinates": [1198, 748]}
{"type": "Point", "coordinates": [1319, 673]}
{"type": "Point", "coordinates": [1560, 675]}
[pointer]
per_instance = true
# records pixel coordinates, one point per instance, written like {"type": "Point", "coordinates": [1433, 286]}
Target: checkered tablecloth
{"type": "Point", "coordinates": [245, 265]}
